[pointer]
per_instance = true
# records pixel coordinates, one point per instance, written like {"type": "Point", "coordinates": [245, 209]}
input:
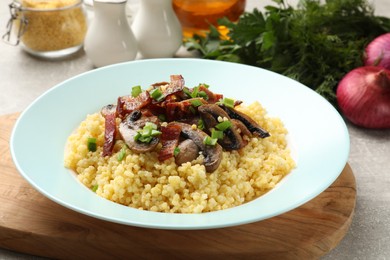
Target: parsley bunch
{"type": "Point", "coordinates": [314, 43]}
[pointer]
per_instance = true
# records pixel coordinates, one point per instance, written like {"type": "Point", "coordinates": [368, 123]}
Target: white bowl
{"type": "Point", "coordinates": [318, 138]}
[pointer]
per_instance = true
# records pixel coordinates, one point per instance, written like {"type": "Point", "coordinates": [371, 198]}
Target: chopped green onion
{"type": "Point", "coordinates": [210, 141]}
{"type": "Point", "coordinates": [150, 125]}
{"type": "Point", "coordinates": [162, 117]}
{"type": "Point", "coordinates": [137, 136]}
{"type": "Point", "coordinates": [95, 187]}
{"type": "Point", "coordinates": [122, 153]}
{"type": "Point", "coordinates": [204, 85]}
{"type": "Point", "coordinates": [196, 102]}
{"type": "Point", "coordinates": [135, 91]}
{"type": "Point", "coordinates": [176, 151]}
{"type": "Point", "coordinates": [156, 94]}
{"type": "Point", "coordinates": [216, 134]}
{"type": "Point", "coordinates": [146, 134]}
{"type": "Point", "coordinates": [200, 124]}
{"type": "Point", "coordinates": [192, 109]}
{"type": "Point", "coordinates": [224, 125]}
{"type": "Point", "coordinates": [155, 133]}
{"type": "Point", "coordinates": [187, 92]}
{"type": "Point", "coordinates": [228, 102]}
{"type": "Point", "coordinates": [92, 146]}
{"type": "Point", "coordinates": [145, 139]}
{"type": "Point", "coordinates": [203, 95]}
{"type": "Point", "coordinates": [195, 91]}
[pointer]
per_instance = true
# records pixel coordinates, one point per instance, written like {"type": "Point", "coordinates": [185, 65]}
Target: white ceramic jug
{"type": "Point", "coordinates": [109, 38]}
{"type": "Point", "coordinates": [157, 29]}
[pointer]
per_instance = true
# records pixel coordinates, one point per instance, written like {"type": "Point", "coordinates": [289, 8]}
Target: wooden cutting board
{"type": "Point", "coordinates": [30, 223]}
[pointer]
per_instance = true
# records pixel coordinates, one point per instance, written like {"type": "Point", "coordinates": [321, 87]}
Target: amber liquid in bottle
{"type": "Point", "coordinates": [196, 16]}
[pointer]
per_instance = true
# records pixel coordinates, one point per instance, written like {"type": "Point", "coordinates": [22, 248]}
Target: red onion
{"type": "Point", "coordinates": [377, 52]}
{"type": "Point", "coordinates": [363, 96]}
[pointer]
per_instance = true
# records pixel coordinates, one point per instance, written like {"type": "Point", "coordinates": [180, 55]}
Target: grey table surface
{"type": "Point", "coordinates": [23, 78]}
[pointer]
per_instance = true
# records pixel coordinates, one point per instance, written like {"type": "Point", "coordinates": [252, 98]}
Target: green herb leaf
{"type": "Point", "coordinates": [315, 43]}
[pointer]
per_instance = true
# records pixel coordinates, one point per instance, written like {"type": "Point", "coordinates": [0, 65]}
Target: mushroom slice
{"type": "Point", "coordinates": [129, 128]}
{"type": "Point", "coordinates": [212, 154]}
{"type": "Point", "coordinates": [240, 125]}
{"type": "Point", "coordinates": [252, 126]}
{"type": "Point", "coordinates": [188, 151]}
{"type": "Point", "coordinates": [232, 139]}
{"type": "Point", "coordinates": [108, 109]}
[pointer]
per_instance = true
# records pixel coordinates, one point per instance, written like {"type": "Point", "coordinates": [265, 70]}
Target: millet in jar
{"type": "Point", "coordinates": [53, 25]}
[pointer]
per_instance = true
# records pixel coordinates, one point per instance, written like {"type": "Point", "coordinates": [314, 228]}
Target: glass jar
{"type": "Point", "coordinates": [47, 29]}
{"type": "Point", "coordinates": [196, 16]}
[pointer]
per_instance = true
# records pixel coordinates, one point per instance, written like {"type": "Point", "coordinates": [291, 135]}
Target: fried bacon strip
{"type": "Point", "coordinates": [169, 90]}
{"type": "Point", "coordinates": [212, 97]}
{"type": "Point", "coordinates": [176, 85]}
{"type": "Point", "coordinates": [170, 140]}
{"type": "Point", "coordinates": [183, 109]}
{"type": "Point", "coordinates": [128, 104]}
{"type": "Point", "coordinates": [109, 114]}
{"type": "Point", "coordinates": [109, 134]}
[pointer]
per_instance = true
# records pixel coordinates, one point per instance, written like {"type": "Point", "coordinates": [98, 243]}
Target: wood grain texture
{"type": "Point", "coordinates": [30, 223]}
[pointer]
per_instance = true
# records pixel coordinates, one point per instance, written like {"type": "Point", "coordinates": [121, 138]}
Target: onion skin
{"type": "Point", "coordinates": [377, 52]}
{"type": "Point", "coordinates": [363, 96]}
